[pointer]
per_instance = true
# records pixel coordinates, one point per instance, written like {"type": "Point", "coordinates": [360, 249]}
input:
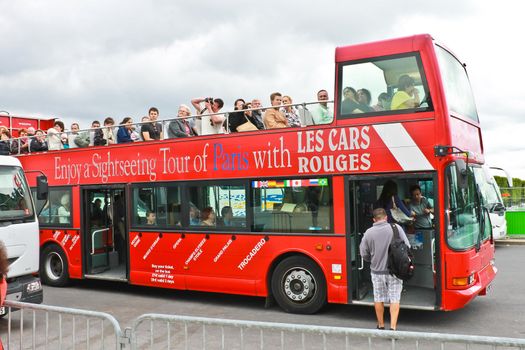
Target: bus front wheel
{"type": "Point", "coordinates": [54, 266]}
{"type": "Point", "coordinates": [298, 285]}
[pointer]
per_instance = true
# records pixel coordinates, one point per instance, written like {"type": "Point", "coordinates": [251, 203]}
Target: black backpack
{"type": "Point", "coordinates": [399, 257]}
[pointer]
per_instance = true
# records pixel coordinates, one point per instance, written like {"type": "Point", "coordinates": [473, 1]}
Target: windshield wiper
{"type": "Point", "coordinates": [13, 220]}
{"type": "Point", "coordinates": [481, 218]}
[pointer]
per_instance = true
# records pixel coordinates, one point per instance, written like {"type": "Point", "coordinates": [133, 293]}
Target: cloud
{"type": "Point", "coordinates": [85, 60]}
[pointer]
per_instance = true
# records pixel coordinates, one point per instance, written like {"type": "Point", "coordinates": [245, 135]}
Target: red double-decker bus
{"type": "Point", "coordinates": [280, 213]}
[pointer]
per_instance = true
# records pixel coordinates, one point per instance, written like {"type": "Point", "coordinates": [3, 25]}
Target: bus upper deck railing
{"type": "Point", "coordinates": [301, 108]}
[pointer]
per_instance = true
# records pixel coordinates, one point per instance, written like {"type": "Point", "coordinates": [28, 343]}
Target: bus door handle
{"type": "Point", "coordinates": [93, 239]}
{"type": "Point", "coordinates": [433, 253]}
{"type": "Point", "coordinates": [362, 264]}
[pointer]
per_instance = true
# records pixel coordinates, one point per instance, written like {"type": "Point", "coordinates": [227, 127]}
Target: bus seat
{"type": "Point", "coordinates": [282, 222]}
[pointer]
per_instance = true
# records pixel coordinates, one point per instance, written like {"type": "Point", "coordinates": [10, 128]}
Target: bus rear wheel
{"type": "Point", "coordinates": [54, 266]}
{"type": "Point", "coordinates": [298, 285]}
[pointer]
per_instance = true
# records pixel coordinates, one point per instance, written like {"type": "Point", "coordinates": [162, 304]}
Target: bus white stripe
{"type": "Point", "coordinates": [402, 146]}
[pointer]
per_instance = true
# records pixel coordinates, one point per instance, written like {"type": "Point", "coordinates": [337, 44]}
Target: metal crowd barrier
{"type": "Point", "coordinates": [50, 327]}
{"type": "Point", "coordinates": [186, 332]}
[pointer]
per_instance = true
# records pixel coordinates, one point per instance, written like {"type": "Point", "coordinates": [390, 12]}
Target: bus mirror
{"type": "Point", "coordinates": [41, 188]}
{"type": "Point", "coordinates": [461, 172]}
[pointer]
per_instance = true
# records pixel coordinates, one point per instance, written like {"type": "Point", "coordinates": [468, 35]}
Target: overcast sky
{"type": "Point", "coordinates": [85, 60]}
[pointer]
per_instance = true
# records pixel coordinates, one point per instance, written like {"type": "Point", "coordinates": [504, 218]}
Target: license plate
{"type": "Point", "coordinates": [3, 310]}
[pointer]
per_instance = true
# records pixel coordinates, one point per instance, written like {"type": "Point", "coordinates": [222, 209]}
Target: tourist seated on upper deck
{"type": "Point", "coordinates": [21, 144]}
{"type": "Point", "coordinates": [72, 135]}
{"type": "Point", "coordinates": [80, 139]}
{"type": "Point", "coordinates": [152, 130]}
{"type": "Point", "coordinates": [106, 135]}
{"type": "Point", "coordinates": [383, 102]}
{"type": "Point", "coordinates": [94, 125]}
{"type": "Point", "coordinates": [208, 123]}
{"type": "Point", "coordinates": [290, 112]}
{"type": "Point", "coordinates": [124, 131]}
{"type": "Point", "coordinates": [258, 114]}
{"type": "Point", "coordinates": [54, 136]}
{"type": "Point", "coordinates": [349, 104]}
{"type": "Point", "coordinates": [407, 96]}
{"type": "Point", "coordinates": [5, 142]}
{"type": "Point", "coordinates": [273, 118]}
{"type": "Point", "coordinates": [236, 118]}
{"type": "Point", "coordinates": [364, 98]}
{"type": "Point", "coordinates": [321, 113]}
{"type": "Point", "coordinates": [250, 117]}
{"type": "Point", "coordinates": [38, 142]}
{"type": "Point", "coordinates": [181, 127]}
{"type": "Point", "coordinates": [136, 134]}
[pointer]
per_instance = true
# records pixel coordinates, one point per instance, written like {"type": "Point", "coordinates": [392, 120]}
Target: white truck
{"type": "Point", "coordinates": [19, 231]}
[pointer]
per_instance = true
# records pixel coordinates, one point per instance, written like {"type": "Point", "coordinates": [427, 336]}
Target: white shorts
{"type": "Point", "coordinates": [387, 288]}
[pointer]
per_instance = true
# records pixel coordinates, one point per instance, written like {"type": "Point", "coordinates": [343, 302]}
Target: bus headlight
{"type": "Point", "coordinates": [33, 287]}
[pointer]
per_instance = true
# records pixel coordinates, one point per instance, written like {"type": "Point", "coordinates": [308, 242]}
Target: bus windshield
{"type": "Point", "coordinates": [459, 95]}
{"type": "Point", "coordinates": [465, 219]}
{"type": "Point", "coordinates": [489, 189]}
{"type": "Point", "coordinates": [383, 85]}
{"type": "Point", "coordinates": [15, 198]}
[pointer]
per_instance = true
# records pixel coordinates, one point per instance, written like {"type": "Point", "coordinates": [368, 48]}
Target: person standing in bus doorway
{"type": "Point", "coordinates": [273, 118]}
{"type": "Point", "coordinates": [4, 268]}
{"type": "Point", "coordinates": [153, 130]}
{"type": "Point", "coordinates": [388, 198]}
{"type": "Point", "coordinates": [321, 113]}
{"type": "Point", "coordinates": [208, 123]}
{"type": "Point", "coordinates": [421, 209]}
{"type": "Point", "coordinates": [374, 249]}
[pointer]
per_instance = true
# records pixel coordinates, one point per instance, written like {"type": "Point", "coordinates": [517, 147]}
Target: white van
{"type": "Point", "coordinates": [494, 203]}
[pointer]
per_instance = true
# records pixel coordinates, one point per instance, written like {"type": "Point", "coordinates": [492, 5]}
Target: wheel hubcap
{"type": "Point", "coordinates": [54, 266]}
{"type": "Point", "coordinates": [299, 285]}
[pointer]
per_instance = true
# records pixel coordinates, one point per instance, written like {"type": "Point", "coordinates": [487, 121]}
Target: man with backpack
{"type": "Point", "coordinates": [374, 248]}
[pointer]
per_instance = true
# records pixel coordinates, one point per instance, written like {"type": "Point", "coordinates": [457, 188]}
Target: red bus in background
{"type": "Point", "coordinates": [15, 123]}
{"type": "Point", "coordinates": [291, 205]}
